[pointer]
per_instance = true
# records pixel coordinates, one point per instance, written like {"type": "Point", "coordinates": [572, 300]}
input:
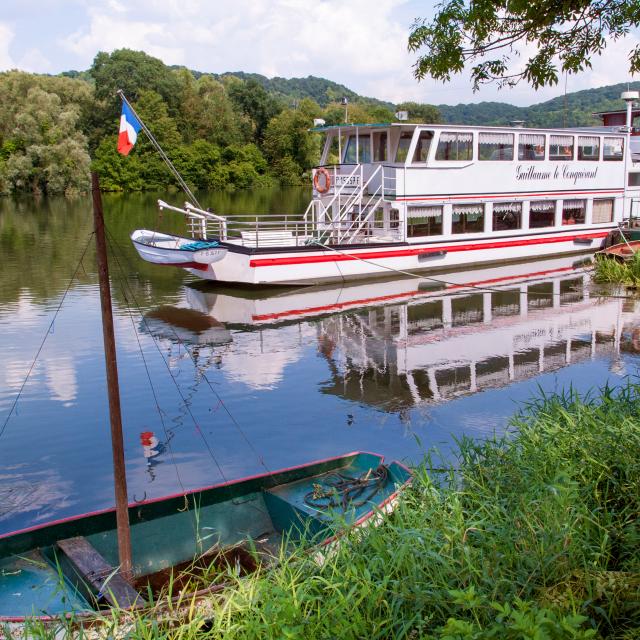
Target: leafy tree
{"type": "Point", "coordinates": [426, 113]}
{"type": "Point", "coordinates": [133, 72]}
{"type": "Point", "coordinates": [42, 149]}
{"type": "Point", "coordinates": [566, 34]}
{"type": "Point", "coordinates": [288, 136]}
{"type": "Point", "coordinates": [206, 112]}
{"type": "Point", "coordinates": [357, 113]}
{"type": "Point", "coordinates": [252, 100]}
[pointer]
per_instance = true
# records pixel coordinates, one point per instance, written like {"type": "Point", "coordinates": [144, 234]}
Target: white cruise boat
{"type": "Point", "coordinates": [393, 198]}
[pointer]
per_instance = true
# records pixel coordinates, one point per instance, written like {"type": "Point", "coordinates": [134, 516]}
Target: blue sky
{"type": "Point", "coordinates": [355, 42]}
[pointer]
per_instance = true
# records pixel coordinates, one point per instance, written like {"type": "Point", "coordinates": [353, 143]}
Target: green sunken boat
{"type": "Point", "coordinates": [70, 566]}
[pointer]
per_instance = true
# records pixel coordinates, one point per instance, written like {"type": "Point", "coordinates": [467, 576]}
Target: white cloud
{"type": "Point", "coordinates": [352, 42]}
{"type": "Point", "coordinates": [35, 61]}
{"type": "Point", "coordinates": [61, 379]}
{"type": "Point", "coordinates": [6, 36]}
{"type": "Point", "coordinates": [108, 32]}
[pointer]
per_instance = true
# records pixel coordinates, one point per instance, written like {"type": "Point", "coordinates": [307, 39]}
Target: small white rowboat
{"type": "Point", "coordinates": [163, 248]}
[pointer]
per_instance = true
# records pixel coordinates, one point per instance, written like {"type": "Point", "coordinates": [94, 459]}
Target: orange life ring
{"type": "Point", "coordinates": [327, 180]}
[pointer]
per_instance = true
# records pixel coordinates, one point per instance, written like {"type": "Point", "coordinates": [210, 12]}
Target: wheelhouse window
{"type": "Point", "coordinates": [589, 148]}
{"type": "Point", "coordinates": [350, 156]}
{"type": "Point", "coordinates": [495, 146]}
{"type": "Point", "coordinates": [380, 146]}
{"type": "Point", "coordinates": [507, 215]}
{"type": "Point", "coordinates": [573, 211]}
{"type": "Point", "coordinates": [454, 145]}
{"type": "Point", "coordinates": [358, 149]}
{"type": "Point", "coordinates": [602, 210]}
{"type": "Point", "coordinates": [424, 221]}
{"type": "Point", "coordinates": [423, 145]}
{"type": "Point", "coordinates": [531, 146]}
{"type": "Point", "coordinates": [542, 214]}
{"type": "Point", "coordinates": [403, 146]}
{"type": "Point", "coordinates": [560, 147]}
{"type": "Point", "coordinates": [613, 149]}
{"type": "Point", "coordinates": [467, 218]}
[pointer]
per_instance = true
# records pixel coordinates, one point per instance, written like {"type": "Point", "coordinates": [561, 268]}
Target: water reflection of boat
{"type": "Point", "coordinates": [260, 308]}
{"type": "Point", "coordinates": [180, 324]}
{"type": "Point", "coordinates": [395, 344]}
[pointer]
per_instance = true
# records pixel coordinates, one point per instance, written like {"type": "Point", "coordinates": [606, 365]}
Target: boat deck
{"type": "Point", "coordinates": [30, 585]}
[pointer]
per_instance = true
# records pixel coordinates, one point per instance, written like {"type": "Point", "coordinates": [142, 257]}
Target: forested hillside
{"type": "Point", "coordinates": [577, 112]}
{"type": "Point", "coordinates": [228, 131]}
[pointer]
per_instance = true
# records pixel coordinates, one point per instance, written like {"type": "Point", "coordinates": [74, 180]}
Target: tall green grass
{"type": "Point", "coordinates": [612, 270]}
{"type": "Point", "coordinates": [534, 535]}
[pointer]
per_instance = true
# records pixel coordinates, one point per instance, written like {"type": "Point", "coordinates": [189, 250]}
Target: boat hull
{"type": "Point", "coordinates": [165, 249]}
{"type": "Point", "coordinates": [169, 531]}
{"type": "Point", "coordinates": [624, 251]}
{"type": "Point", "coordinates": [318, 265]}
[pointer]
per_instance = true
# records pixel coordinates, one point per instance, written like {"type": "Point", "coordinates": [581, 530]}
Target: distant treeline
{"type": "Point", "coordinates": [234, 130]}
{"type": "Point", "coordinates": [221, 132]}
{"type": "Point", "coordinates": [576, 110]}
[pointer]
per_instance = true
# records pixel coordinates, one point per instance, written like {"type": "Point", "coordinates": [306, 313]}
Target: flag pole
{"type": "Point", "coordinates": [160, 150]}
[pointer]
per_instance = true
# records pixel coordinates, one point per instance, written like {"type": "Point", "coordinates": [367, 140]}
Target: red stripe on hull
{"type": "Point", "coordinates": [402, 253]}
{"type": "Point", "coordinates": [405, 294]}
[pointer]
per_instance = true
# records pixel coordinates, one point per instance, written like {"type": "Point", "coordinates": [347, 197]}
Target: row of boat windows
{"type": "Point", "coordinates": [459, 146]}
{"type": "Point", "coordinates": [470, 218]}
{"type": "Point", "coordinates": [470, 309]}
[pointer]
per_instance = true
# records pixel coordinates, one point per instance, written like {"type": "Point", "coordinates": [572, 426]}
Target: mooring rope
{"type": "Point", "coordinates": [454, 284]}
{"type": "Point", "coordinates": [46, 335]}
{"type": "Point", "coordinates": [221, 402]}
{"type": "Point", "coordinates": [175, 382]}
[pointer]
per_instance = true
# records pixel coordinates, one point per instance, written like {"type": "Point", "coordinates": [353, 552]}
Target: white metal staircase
{"type": "Point", "coordinates": [348, 216]}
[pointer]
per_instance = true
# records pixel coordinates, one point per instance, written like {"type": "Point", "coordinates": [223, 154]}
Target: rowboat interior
{"type": "Point", "coordinates": [70, 566]}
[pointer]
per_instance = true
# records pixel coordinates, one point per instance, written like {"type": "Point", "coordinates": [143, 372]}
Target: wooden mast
{"type": "Point", "coordinates": [119, 474]}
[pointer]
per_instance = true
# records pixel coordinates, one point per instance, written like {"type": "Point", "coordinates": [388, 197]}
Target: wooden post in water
{"type": "Point", "coordinates": [119, 475]}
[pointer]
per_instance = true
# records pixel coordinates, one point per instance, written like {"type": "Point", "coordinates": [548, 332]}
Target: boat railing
{"type": "Point", "coordinates": [351, 185]}
{"type": "Point", "coordinates": [200, 223]}
{"type": "Point", "coordinates": [389, 181]}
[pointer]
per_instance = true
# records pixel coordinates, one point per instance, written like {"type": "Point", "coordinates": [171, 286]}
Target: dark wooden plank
{"type": "Point", "coordinates": [93, 568]}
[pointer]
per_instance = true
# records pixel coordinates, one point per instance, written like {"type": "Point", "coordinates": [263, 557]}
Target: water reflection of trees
{"type": "Point", "coordinates": [42, 239]}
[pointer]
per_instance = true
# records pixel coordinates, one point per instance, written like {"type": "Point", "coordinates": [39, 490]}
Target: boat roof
{"type": "Point", "coordinates": [344, 127]}
{"type": "Point", "coordinates": [620, 112]}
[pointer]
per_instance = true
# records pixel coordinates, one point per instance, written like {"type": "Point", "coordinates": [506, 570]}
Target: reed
{"type": "Point", "coordinates": [531, 535]}
{"type": "Point", "coordinates": [615, 271]}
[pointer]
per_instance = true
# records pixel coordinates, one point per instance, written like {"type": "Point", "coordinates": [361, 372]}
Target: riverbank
{"type": "Point", "coordinates": [536, 535]}
{"type": "Point", "coordinates": [614, 271]}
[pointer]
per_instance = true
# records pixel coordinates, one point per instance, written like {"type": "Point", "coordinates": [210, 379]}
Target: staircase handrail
{"type": "Point", "coordinates": [365, 219]}
{"type": "Point", "coordinates": [337, 193]}
{"type": "Point", "coordinates": [358, 195]}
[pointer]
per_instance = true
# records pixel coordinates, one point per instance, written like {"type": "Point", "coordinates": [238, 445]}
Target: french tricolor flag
{"type": "Point", "coordinates": [129, 127]}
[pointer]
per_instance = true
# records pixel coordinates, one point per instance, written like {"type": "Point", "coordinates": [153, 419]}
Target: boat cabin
{"type": "Point", "coordinates": [382, 182]}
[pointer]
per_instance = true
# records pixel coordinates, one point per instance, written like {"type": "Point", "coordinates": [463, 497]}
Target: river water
{"type": "Point", "coordinates": [219, 382]}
